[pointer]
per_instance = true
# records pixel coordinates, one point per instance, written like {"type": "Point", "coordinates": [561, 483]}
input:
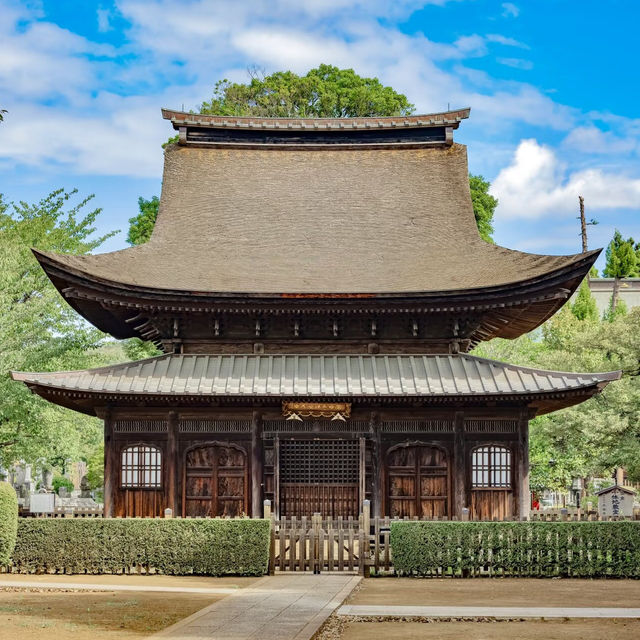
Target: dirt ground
{"type": "Point", "coordinates": [490, 592]}
{"type": "Point", "coordinates": [134, 580]}
{"type": "Point", "coordinates": [583, 629]}
{"type": "Point", "coordinates": [37, 614]}
{"type": "Point", "coordinates": [505, 592]}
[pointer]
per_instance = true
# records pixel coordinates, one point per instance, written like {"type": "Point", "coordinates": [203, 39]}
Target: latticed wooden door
{"type": "Point", "coordinates": [216, 482]}
{"type": "Point", "coordinates": [319, 476]}
{"type": "Point", "coordinates": [418, 482]}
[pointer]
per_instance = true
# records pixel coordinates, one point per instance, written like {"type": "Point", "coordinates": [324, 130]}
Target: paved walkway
{"type": "Point", "coordinates": [487, 612]}
{"type": "Point", "coordinates": [287, 607]}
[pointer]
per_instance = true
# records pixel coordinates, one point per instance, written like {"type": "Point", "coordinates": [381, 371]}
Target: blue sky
{"type": "Point", "coordinates": [553, 86]}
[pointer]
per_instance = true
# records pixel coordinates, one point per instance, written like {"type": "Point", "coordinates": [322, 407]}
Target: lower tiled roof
{"type": "Point", "coordinates": [317, 376]}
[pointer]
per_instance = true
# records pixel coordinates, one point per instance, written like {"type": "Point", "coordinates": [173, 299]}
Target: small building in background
{"type": "Point", "coordinates": [602, 290]}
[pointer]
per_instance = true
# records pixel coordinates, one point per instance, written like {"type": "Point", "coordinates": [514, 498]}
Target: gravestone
{"type": "Point", "coordinates": [615, 501]}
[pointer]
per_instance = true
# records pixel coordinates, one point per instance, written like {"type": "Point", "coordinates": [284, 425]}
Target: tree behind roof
{"type": "Point", "coordinates": [622, 262]}
{"type": "Point", "coordinates": [324, 92]}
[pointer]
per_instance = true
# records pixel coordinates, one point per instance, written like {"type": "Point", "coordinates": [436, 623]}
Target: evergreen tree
{"type": "Point", "coordinates": [585, 308]}
{"type": "Point", "coordinates": [622, 262]}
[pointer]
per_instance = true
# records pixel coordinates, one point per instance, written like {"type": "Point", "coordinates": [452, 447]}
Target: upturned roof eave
{"type": "Point", "coordinates": [52, 262]}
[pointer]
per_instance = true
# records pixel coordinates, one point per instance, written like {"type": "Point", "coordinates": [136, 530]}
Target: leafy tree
{"type": "Point", "coordinates": [95, 468]}
{"type": "Point", "coordinates": [141, 226]}
{"type": "Point", "coordinates": [325, 92]}
{"type": "Point", "coordinates": [39, 331]}
{"type": "Point", "coordinates": [594, 437]}
{"type": "Point", "coordinates": [622, 262]}
{"type": "Point", "coordinates": [484, 206]}
{"type": "Point", "coordinates": [61, 481]}
{"type": "Point", "coordinates": [585, 307]}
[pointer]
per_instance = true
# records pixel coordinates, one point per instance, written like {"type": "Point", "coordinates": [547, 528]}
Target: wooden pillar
{"type": "Point", "coordinates": [111, 467]}
{"type": "Point", "coordinates": [523, 498]}
{"type": "Point", "coordinates": [363, 474]}
{"type": "Point", "coordinates": [276, 475]}
{"type": "Point", "coordinates": [459, 467]}
{"type": "Point", "coordinates": [257, 462]}
{"type": "Point", "coordinates": [377, 490]}
{"type": "Point", "coordinates": [172, 464]}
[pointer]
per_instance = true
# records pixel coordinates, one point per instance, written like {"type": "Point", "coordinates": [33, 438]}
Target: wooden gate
{"type": "Point", "coordinates": [320, 476]}
{"type": "Point", "coordinates": [215, 481]}
{"type": "Point", "coordinates": [418, 481]}
{"type": "Point", "coordinates": [318, 544]}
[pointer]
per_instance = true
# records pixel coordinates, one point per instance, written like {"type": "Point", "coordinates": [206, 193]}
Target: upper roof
{"type": "Point", "coordinates": [347, 221]}
{"type": "Point", "coordinates": [323, 376]}
{"type": "Point", "coordinates": [444, 118]}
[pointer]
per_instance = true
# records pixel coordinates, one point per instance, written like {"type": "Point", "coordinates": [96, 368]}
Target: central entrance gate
{"type": "Point", "coordinates": [320, 476]}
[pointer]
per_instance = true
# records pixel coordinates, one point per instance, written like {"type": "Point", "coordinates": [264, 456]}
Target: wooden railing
{"type": "Point", "coordinates": [360, 544]}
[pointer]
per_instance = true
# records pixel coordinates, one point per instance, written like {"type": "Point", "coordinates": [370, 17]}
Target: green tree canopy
{"type": "Point", "coordinates": [39, 331]}
{"type": "Point", "coordinates": [622, 262]}
{"type": "Point", "coordinates": [585, 307]}
{"type": "Point", "coordinates": [141, 226]}
{"type": "Point", "coordinates": [596, 436]}
{"type": "Point", "coordinates": [324, 92]}
{"type": "Point", "coordinates": [484, 206]}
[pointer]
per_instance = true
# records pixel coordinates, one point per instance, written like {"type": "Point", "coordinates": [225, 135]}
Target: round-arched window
{"type": "Point", "coordinates": [491, 467]}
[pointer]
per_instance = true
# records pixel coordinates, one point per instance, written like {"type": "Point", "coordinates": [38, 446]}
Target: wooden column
{"type": "Point", "coordinates": [522, 497]}
{"type": "Point", "coordinates": [257, 462]}
{"type": "Point", "coordinates": [111, 467]}
{"type": "Point", "coordinates": [459, 467]}
{"type": "Point", "coordinates": [377, 489]}
{"type": "Point", "coordinates": [363, 473]}
{"type": "Point", "coordinates": [172, 464]}
{"type": "Point", "coordinates": [276, 475]}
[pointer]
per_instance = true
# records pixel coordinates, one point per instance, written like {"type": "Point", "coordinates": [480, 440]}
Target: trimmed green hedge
{"type": "Point", "coordinates": [8, 521]}
{"type": "Point", "coordinates": [176, 547]}
{"type": "Point", "coordinates": [533, 549]}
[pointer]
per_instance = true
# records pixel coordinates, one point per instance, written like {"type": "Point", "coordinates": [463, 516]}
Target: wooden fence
{"type": "Point", "coordinates": [360, 544]}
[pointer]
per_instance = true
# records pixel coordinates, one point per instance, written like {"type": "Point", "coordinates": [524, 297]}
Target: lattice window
{"type": "Point", "coordinates": [491, 467]}
{"type": "Point", "coordinates": [319, 461]}
{"type": "Point", "coordinates": [141, 467]}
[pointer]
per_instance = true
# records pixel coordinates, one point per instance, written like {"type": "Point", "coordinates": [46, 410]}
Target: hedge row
{"type": "Point", "coordinates": [8, 521]}
{"type": "Point", "coordinates": [533, 549]}
{"type": "Point", "coordinates": [174, 547]}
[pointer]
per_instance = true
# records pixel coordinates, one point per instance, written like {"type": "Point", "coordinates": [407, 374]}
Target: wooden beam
{"type": "Point", "coordinates": [377, 490]}
{"type": "Point", "coordinates": [523, 496]}
{"type": "Point", "coordinates": [276, 475]}
{"type": "Point", "coordinates": [111, 467]}
{"type": "Point", "coordinates": [459, 466]}
{"type": "Point", "coordinates": [257, 462]}
{"type": "Point", "coordinates": [172, 463]}
{"type": "Point", "coordinates": [363, 473]}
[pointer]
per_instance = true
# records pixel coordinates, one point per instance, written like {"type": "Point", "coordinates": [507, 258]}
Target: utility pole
{"type": "Point", "coordinates": [583, 224]}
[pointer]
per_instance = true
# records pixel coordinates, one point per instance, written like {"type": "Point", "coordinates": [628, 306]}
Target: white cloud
{"type": "Point", "coordinates": [536, 184]}
{"type": "Point", "coordinates": [510, 10]}
{"type": "Point", "coordinates": [516, 63]}
{"type": "Point", "coordinates": [507, 42]}
{"type": "Point", "coordinates": [104, 20]}
{"type": "Point", "coordinates": [591, 139]}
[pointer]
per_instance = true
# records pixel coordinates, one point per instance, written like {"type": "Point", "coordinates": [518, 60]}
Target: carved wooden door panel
{"type": "Point", "coordinates": [418, 482]}
{"type": "Point", "coordinates": [215, 482]}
